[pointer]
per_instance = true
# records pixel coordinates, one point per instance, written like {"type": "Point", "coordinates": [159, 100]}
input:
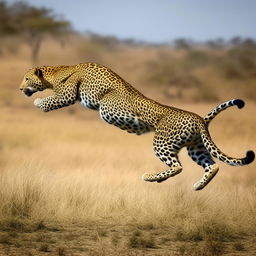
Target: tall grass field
{"type": "Point", "coordinates": [71, 184]}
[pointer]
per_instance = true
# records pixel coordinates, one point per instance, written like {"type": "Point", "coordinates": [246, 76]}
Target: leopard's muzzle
{"type": "Point", "coordinates": [28, 91]}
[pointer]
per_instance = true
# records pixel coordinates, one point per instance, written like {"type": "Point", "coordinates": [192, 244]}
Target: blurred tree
{"type": "Point", "coordinates": [172, 75]}
{"type": "Point", "coordinates": [235, 41]}
{"type": "Point", "coordinates": [32, 23]}
{"type": "Point", "coordinates": [216, 44]}
{"type": "Point", "coordinates": [240, 62]}
{"type": "Point", "coordinates": [106, 42]}
{"type": "Point", "coordinates": [249, 43]}
{"type": "Point", "coordinates": [6, 26]}
{"type": "Point", "coordinates": [243, 42]}
{"type": "Point", "coordinates": [182, 43]}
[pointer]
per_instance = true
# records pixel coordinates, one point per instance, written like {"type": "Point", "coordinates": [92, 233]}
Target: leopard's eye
{"type": "Point", "coordinates": [26, 79]}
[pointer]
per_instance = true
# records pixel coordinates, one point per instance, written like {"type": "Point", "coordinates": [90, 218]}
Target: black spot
{"type": "Point", "coordinates": [175, 147]}
{"type": "Point", "coordinates": [201, 158]}
{"type": "Point", "coordinates": [198, 153]}
{"type": "Point", "coordinates": [222, 158]}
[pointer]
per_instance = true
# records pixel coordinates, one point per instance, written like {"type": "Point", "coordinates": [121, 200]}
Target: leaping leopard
{"type": "Point", "coordinates": [99, 88]}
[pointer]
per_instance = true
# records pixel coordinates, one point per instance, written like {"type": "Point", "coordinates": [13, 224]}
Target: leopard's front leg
{"type": "Point", "coordinates": [65, 95]}
{"type": "Point", "coordinates": [52, 102]}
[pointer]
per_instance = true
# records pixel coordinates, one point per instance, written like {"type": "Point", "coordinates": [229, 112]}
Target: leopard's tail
{"type": "Point", "coordinates": [217, 153]}
{"type": "Point", "coordinates": [239, 103]}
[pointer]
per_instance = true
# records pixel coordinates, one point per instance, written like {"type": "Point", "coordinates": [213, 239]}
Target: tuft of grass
{"type": "Point", "coordinates": [115, 238]}
{"type": "Point", "coordinates": [146, 226]}
{"type": "Point", "coordinates": [61, 251]}
{"type": "Point", "coordinates": [214, 248]}
{"type": "Point", "coordinates": [238, 246]}
{"type": "Point", "coordinates": [102, 233]}
{"type": "Point", "coordinates": [40, 226]}
{"type": "Point", "coordinates": [5, 239]}
{"type": "Point", "coordinates": [181, 250]}
{"type": "Point", "coordinates": [13, 234]}
{"type": "Point", "coordinates": [14, 224]}
{"type": "Point", "coordinates": [208, 248]}
{"type": "Point", "coordinates": [17, 224]}
{"type": "Point", "coordinates": [215, 231]}
{"type": "Point", "coordinates": [42, 237]}
{"type": "Point", "coordinates": [188, 236]}
{"type": "Point", "coordinates": [44, 248]}
{"type": "Point", "coordinates": [165, 239]}
{"type": "Point", "coordinates": [139, 240]}
{"type": "Point", "coordinates": [134, 240]}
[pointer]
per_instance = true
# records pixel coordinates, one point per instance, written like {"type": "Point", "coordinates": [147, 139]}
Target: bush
{"type": "Point", "coordinates": [172, 75]}
{"type": "Point", "coordinates": [196, 58]}
{"type": "Point", "coordinates": [239, 63]}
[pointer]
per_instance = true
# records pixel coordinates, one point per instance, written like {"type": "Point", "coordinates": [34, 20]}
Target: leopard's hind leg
{"type": "Point", "coordinates": [201, 156]}
{"type": "Point", "coordinates": [167, 151]}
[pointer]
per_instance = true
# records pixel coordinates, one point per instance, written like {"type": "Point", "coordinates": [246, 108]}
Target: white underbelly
{"type": "Point", "coordinates": [88, 104]}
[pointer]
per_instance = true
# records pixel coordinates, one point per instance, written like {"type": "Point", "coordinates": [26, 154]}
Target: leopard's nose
{"type": "Point", "coordinates": [21, 88]}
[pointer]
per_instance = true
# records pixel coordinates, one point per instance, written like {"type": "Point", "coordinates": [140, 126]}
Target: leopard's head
{"type": "Point", "coordinates": [32, 82]}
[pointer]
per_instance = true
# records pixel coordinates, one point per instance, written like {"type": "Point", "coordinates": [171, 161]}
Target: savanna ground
{"type": "Point", "coordinates": [71, 185]}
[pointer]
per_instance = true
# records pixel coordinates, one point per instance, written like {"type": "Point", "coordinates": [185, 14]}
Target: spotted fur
{"type": "Point", "coordinates": [118, 103]}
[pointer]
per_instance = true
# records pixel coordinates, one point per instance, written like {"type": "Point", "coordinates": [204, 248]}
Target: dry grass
{"type": "Point", "coordinates": [57, 172]}
{"type": "Point", "coordinates": [71, 184]}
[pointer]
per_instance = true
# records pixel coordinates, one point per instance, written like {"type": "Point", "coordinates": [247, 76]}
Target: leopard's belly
{"type": "Point", "coordinates": [127, 121]}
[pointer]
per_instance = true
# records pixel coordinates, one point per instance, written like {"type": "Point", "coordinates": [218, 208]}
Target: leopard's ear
{"type": "Point", "coordinates": [39, 72]}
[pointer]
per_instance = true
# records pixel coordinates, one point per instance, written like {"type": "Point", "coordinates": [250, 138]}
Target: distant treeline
{"type": "Point", "coordinates": [179, 43]}
{"type": "Point", "coordinates": [34, 23]}
{"type": "Point", "coordinates": [228, 60]}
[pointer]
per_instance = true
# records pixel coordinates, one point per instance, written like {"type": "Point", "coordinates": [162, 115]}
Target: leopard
{"type": "Point", "coordinates": [99, 88]}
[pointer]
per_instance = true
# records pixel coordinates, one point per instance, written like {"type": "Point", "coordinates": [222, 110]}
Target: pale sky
{"type": "Point", "coordinates": [159, 20]}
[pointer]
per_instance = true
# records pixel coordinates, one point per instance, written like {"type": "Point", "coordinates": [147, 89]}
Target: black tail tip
{"type": "Point", "coordinates": [239, 103]}
{"type": "Point", "coordinates": [249, 157]}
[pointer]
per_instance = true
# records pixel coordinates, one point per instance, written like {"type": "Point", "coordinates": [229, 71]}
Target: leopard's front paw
{"type": "Point", "coordinates": [38, 102]}
{"type": "Point", "coordinates": [148, 177]}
